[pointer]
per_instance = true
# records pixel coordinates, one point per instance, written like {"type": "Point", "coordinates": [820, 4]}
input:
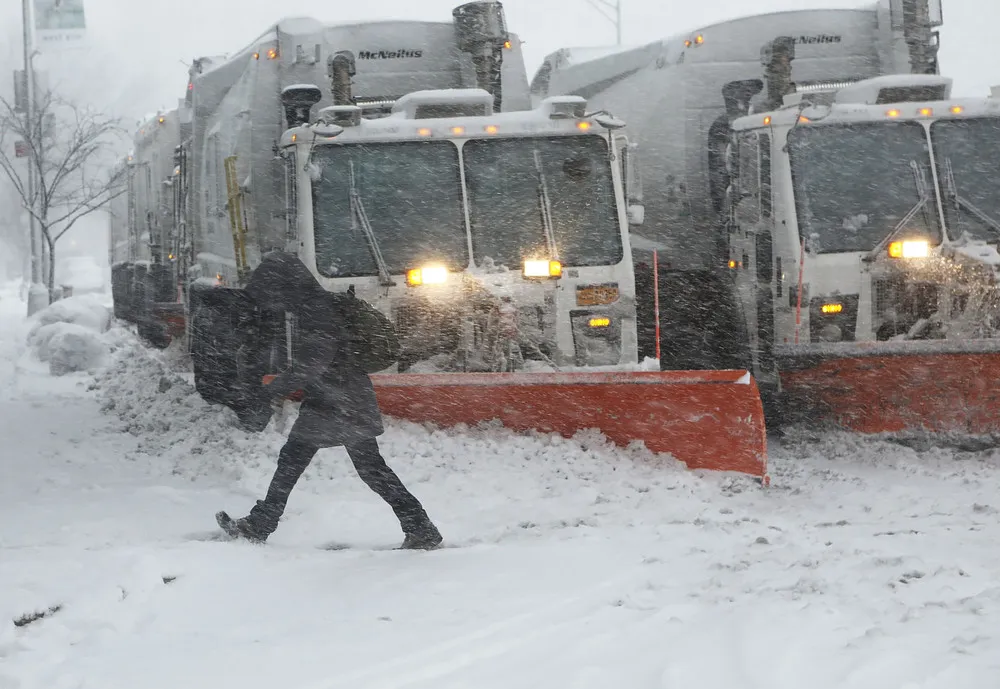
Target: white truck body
{"type": "Point", "coordinates": [237, 111]}
{"type": "Point", "coordinates": [671, 94]}
{"type": "Point", "coordinates": [241, 188]}
{"type": "Point", "coordinates": [143, 221]}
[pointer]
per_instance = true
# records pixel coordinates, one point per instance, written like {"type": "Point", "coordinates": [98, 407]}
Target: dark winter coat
{"type": "Point", "coordinates": [339, 405]}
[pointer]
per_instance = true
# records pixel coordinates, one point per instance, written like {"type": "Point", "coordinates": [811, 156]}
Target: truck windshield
{"type": "Point", "coordinates": [967, 153]}
{"type": "Point", "coordinates": [856, 183]}
{"type": "Point", "coordinates": [411, 194]}
{"type": "Point", "coordinates": [526, 193]}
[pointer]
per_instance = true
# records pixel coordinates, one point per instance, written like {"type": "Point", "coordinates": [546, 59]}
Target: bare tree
{"type": "Point", "coordinates": [72, 148]}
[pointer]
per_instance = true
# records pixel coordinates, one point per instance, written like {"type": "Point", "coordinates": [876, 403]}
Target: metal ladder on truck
{"type": "Point", "coordinates": [237, 220]}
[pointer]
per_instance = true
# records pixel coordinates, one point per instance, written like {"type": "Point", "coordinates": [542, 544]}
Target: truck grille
{"type": "Point", "coordinates": [882, 291]}
{"type": "Point", "coordinates": [898, 304]}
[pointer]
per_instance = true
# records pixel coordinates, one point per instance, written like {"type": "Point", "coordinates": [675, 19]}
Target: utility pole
{"type": "Point", "coordinates": [606, 6]}
{"type": "Point", "coordinates": [38, 295]}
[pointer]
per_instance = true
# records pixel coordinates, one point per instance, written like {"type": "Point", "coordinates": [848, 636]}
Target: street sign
{"type": "Point", "coordinates": [21, 149]}
{"type": "Point", "coordinates": [59, 21]}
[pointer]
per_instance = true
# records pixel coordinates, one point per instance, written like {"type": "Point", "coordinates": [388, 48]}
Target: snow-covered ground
{"type": "Point", "coordinates": [577, 565]}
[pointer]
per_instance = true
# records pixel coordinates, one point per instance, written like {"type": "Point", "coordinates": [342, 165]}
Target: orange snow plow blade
{"type": "Point", "coordinates": [706, 419]}
{"type": "Point", "coordinates": [926, 386]}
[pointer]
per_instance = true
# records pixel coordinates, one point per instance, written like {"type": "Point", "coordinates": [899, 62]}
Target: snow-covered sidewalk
{"type": "Point", "coordinates": [575, 564]}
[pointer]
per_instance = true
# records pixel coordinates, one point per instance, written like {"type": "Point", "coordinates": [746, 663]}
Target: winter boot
{"type": "Point", "coordinates": [421, 536]}
{"type": "Point", "coordinates": [240, 528]}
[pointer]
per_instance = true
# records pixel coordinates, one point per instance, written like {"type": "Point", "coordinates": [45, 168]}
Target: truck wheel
{"type": "Point", "coordinates": [126, 304]}
{"type": "Point", "coordinates": [149, 326]}
{"type": "Point", "coordinates": [120, 290]}
{"type": "Point", "coordinates": [139, 300]}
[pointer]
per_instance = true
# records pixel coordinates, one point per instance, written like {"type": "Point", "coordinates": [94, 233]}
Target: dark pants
{"type": "Point", "coordinates": [296, 455]}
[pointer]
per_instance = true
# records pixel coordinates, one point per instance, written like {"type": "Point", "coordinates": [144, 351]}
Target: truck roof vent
{"type": "Point", "coordinates": [564, 107]}
{"type": "Point", "coordinates": [376, 108]}
{"type": "Point", "coordinates": [445, 103]}
{"type": "Point", "coordinates": [897, 88]}
{"type": "Point", "coordinates": [821, 86]}
{"type": "Point", "coordinates": [341, 115]}
{"type": "Point", "coordinates": [377, 102]}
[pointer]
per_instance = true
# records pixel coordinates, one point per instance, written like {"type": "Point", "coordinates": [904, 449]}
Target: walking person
{"type": "Point", "coordinates": [338, 407]}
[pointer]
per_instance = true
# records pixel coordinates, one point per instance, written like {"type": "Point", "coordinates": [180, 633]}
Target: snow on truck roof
{"type": "Point", "coordinates": [537, 122]}
{"type": "Point", "coordinates": [310, 26]}
{"type": "Point", "coordinates": [571, 57]}
{"type": "Point", "coordinates": [845, 113]}
{"type": "Point", "coordinates": [147, 125]}
{"type": "Point", "coordinates": [870, 8]}
{"type": "Point", "coordinates": [824, 37]}
{"type": "Point", "coordinates": [576, 56]}
{"type": "Point", "coordinates": [855, 103]}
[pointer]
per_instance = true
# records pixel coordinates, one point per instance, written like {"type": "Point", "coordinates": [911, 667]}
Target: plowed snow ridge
{"type": "Point", "coordinates": [867, 564]}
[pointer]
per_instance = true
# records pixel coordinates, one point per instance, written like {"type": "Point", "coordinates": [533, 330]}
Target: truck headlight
{"type": "Point", "coordinates": [910, 248]}
{"type": "Point", "coordinates": [542, 268]}
{"type": "Point", "coordinates": [427, 275]}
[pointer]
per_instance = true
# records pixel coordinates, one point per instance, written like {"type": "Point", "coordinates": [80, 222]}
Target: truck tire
{"type": "Point", "coordinates": [127, 292]}
{"type": "Point", "coordinates": [701, 326]}
{"type": "Point", "coordinates": [137, 301]}
{"type": "Point", "coordinates": [155, 289]}
{"type": "Point", "coordinates": [120, 290]}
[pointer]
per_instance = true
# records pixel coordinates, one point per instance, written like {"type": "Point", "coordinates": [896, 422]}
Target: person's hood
{"type": "Point", "coordinates": [282, 282]}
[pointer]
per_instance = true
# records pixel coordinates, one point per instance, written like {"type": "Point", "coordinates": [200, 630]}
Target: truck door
{"type": "Point", "coordinates": [767, 276]}
{"type": "Point", "coordinates": [752, 246]}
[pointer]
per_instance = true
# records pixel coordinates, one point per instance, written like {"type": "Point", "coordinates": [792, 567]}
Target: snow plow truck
{"type": "Point", "coordinates": [144, 231]}
{"type": "Point", "coordinates": [809, 175]}
{"type": "Point", "coordinates": [405, 163]}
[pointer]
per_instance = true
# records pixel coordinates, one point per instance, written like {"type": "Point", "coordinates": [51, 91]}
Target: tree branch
{"type": "Point", "coordinates": [66, 145]}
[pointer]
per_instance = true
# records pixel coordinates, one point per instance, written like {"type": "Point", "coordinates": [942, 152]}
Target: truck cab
{"type": "Point", "coordinates": [865, 215]}
{"type": "Point", "coordinates": [495, 241]}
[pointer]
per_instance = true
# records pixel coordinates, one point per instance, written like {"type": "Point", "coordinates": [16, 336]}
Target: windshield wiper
{"type": "Point", "coordinates": [359, 215]}
{"type": "Point", "coordinates": [961, 202]}
{"type": "Point", "coordinates": [925, 197]}
{"type": "Point", "coordinates": [546, 208]}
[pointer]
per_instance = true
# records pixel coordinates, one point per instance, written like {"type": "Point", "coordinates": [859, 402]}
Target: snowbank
{"type": "Point", "coordinates": [69, 348]}
{"type": "Point", "coordinates": [70, 334]}
{"type": "Point", "coordinates": [177, 430]}
{"type": "Point", "coordinates": [89, 310]}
